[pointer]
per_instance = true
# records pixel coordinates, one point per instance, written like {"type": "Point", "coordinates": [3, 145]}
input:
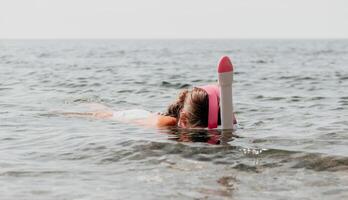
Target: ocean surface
{"type": "Point", "coordinates": [290, 98]}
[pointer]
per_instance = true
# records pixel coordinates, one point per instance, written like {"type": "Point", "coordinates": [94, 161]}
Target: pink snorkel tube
{"type": "Point", "coordinates": [221, 97]}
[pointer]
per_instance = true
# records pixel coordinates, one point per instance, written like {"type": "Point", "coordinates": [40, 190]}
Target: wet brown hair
{"type": "Point", "coordinates": [196, 105]}
{"type": "Point", "coordinates": [174, 109]}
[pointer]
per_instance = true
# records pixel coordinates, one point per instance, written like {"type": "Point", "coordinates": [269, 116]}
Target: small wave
{"type": "Point", "coordinates": [343, 102]}
{"type": "Point", "coordinates": [44, 55]}
{"type": "Point", "coordinates": [323, 52]}
{"type": "Point", "coordinates": [318, 162]}
{"type": "Point", "coordinates": [175, 85]}
{"type": "Point", "coordinates": [31, 173]}
{"type": "Point", "coordinates": [88, 99]}
{"type": "Point", "coordinates": [260, 61]}
{"type": "Point", "coordinates": [256, 168]}
{"type": "Point", "coordinates": [317, 98]}
{"type": "Point", "coordinates": [275, 98]}
{"type": "Point", "coordinates": [125, 91]}
{"type": "Point", "coordinates": [259, 97]}
{"type": "Point", "coordinates": [72, 85]}
{"type": "Point", "coordinates": [343, 78]}
{"type": "Point", "coordinates": [295, 98]}
{"type": "Point", "coordinates": [5, 88]}
{"type": "Point", "coordinates": [304, 78]}
{"type": "Point", "coordinates": [112, 54]}
{"type": "Point", "coordinates": [287, 77]}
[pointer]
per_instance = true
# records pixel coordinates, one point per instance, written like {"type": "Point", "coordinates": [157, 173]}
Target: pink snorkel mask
{"type": "Point", "coordinates": [214, 98]}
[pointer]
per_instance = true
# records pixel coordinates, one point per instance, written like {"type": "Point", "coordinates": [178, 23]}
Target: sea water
{"type": "Point", "coordinates": [291, 102]}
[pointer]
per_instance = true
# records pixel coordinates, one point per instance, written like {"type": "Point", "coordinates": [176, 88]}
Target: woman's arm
{"type": "Point", "coordinates": [152, 121]}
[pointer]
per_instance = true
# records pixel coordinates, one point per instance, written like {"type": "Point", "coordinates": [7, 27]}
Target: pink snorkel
{"type": "Point", "coordinates": [225, 70]}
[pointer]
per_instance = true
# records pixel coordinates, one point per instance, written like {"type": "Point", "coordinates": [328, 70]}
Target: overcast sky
{"type": "Point", "coordinates": [173, 19]}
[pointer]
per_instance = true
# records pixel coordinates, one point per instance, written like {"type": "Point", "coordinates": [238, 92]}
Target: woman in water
{"type": "Point", "coordinates": [196, 108]}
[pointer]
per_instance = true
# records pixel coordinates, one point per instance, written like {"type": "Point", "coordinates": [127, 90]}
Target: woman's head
{"type": "Point", "coordinates": [191, 108]}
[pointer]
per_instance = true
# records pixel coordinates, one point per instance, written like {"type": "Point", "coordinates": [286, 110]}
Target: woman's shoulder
{"type": "Point", "coordinates": [163, 121]}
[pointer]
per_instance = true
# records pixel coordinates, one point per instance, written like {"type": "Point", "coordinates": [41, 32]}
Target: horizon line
{"type": "Point", "coordinates": [183, 38]}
